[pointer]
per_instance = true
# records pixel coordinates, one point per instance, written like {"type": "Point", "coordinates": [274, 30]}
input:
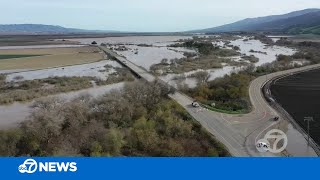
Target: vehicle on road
{"type": "Point", "coordinates": [262, 146]}
{"type": "Point", "coordinates": [195, 104]}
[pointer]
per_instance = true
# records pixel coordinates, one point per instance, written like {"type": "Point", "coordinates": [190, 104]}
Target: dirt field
{"type": "Point", "coordinates": [51, 50]}
{"type": "Point", "coordinates": [52, 57]}
{"type": "Point", "coordinates": [299, 96]}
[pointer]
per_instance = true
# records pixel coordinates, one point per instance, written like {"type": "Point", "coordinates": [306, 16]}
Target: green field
{"type": "Point", "coordinates": [12, 56]}
{"type": "Point", "coordinates": [308, 30]}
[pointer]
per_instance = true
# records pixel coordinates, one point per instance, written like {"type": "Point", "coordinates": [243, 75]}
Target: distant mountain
{"type": "Point", "coordinates": [294, 22]}
{"type": "Point", "coordinates": [42, 29]}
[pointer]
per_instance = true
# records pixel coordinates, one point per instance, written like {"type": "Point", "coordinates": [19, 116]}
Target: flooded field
{"type": "Point", "coordinates": [12, 115]}
{"type": "Point", "coordinates": [147, 56]}
{"type": "Point", "coordinates": [143, 50]}
{"type": "Point", "coordinates": [266, 54]}
{"type": "Point", "coordinates": [173, 79]}
{"type": "Point", "coordinates": [99, 69]}
{"type": "Point", "coordinates": [299, 95]}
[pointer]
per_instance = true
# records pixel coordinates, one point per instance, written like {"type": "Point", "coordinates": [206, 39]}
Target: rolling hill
{"type": "Point", "coordinates": [304, 21]}
{"type": "Point", "coordinates": [42, 29]}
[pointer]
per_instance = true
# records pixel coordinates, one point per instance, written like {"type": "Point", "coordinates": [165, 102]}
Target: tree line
{"type": "Point", "coordinates": [139, 120]}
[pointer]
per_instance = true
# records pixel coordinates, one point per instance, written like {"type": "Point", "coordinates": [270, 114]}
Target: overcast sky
{"type": "Point", "coordinates": [143, 15]}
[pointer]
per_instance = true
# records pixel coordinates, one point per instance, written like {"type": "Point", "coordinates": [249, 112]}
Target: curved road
{"type": "Point", "coordinates": [239, 133]}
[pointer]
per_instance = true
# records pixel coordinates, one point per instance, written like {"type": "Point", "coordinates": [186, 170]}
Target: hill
{"type": "Point", "coordinates": [294, 22]}
{"type": "Point", "coordinates": [42, 29]}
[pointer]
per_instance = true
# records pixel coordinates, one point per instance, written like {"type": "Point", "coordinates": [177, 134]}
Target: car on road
{"type": "Point", "coordinates": [262, 146]}
{"type": "Point", "coordinates": [195, 104]}
{"type": "Point", "coordinates": [276, 118]}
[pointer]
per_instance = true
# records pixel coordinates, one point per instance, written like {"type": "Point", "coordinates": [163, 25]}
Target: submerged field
{"type": "Point", "coordinates": [299, 96]}
{"type": "Point", "coordinates": [51, 57]}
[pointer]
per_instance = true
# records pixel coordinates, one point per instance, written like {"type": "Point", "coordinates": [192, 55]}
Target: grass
{"type": "Point", "coordinates": [56, 57]}
{"type": "Point", "coordinates": [224, 111]}
{"type": "Point", "coordinates": [13, 56]}
{"type": "Point", "coordinates": [309, 30]}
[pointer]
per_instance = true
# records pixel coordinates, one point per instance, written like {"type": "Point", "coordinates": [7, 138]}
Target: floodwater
{"type": "Point", "coordinates": [12, 115]}
{"type": "Point", "coordinates": [245, 47]}
{"type": "Point", "coordinates": [95, 69]}
{"type": "Point", "coordinates": [256, 45]}
{"type": "Point", "coordinates": [147, 56]}
{"type": "Point", "coordinates": [192, 82]}
{"type": "Point", "coordinates": [144, 56]}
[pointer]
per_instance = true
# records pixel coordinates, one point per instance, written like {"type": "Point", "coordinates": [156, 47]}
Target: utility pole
{"type": "Point", "coordinates": [308, 119]}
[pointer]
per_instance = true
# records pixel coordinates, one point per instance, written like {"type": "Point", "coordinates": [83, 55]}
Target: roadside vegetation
{"type": "Point", "coordinates": [229, 93]}
{"type": "Point", "coordinates": [139, 120]}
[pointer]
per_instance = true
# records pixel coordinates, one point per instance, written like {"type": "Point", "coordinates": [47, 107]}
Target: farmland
{"type": "Point", "coordinates": [13, 56]}
{"type": "Point", "coordinates": [52, 57]}
{"type": "Point", "coordinates": [299, 96]}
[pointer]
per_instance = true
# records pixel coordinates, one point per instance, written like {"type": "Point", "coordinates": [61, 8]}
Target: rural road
{"type": "Point", "coordinates": [239, 133]}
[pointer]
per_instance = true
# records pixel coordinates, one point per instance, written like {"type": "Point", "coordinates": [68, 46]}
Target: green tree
{"type": "Point", "coordinates": [113, 142]}
{"type": "Point", "coordinates": [96, 149]}
{"type": "Point", "coordinates": [145, 136]}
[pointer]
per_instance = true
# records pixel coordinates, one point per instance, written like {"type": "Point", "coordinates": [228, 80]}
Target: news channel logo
{"type": "Point", "coordinates": [31, 166]}
{"type": "Point", "coordinates": [264, 145]}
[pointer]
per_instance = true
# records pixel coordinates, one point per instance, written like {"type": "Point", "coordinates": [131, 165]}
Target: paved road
{"type": "Point", "coordinates": [238, 133]}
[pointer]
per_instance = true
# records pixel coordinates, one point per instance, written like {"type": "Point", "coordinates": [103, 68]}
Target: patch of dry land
{"type": "Point", "coordinates": [50, 57]}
